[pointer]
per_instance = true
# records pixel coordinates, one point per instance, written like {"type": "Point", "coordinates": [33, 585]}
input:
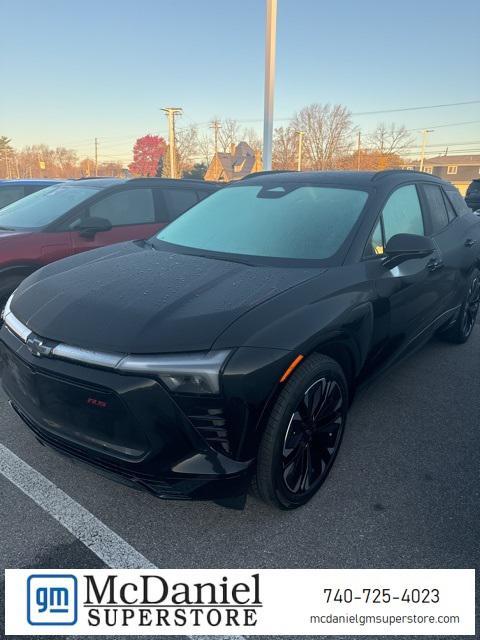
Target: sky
{"type": "Point", "coordinates": [71, 71]}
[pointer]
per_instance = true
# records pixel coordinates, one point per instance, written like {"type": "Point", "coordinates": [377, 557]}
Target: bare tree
{"type": "Point", "coordinates": [284, 148]}
{"type": "Point", "coordinates": [205, 148]}
{"type": "Point", "coordinates": [251, 137]}
{"type": "Point", "coordinates": [328, 133]}
{"type": "Point", "coordinates": [187, 147]}
{"type": "Point", "coordinates": [228, 134]}
{"type": "Point", "coordinates": [390, 139]}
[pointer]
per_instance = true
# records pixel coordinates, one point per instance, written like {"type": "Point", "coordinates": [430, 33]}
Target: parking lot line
{"type": "Point", "coordinates": [112, 550]}
{"type": "Point", "coordinates": [107, 545]}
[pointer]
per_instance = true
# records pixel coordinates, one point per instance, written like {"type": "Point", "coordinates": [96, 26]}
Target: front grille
{"type": "Point", "coordinates": [144, 480]}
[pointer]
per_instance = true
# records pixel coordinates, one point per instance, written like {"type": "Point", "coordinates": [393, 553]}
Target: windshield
{"type": "Point", "coordinates": [288, 221]}
{"type": "Point", "coordinates": [43, 207]}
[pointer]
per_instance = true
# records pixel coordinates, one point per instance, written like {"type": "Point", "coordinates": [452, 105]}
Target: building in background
{"type": "Point", "coordinates": [235, 165]}
{"type": "Point", "coordinates": [459, 170]}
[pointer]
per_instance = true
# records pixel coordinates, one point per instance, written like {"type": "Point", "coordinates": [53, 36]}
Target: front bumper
{"type": "Point", "coordinates": [132, 429]}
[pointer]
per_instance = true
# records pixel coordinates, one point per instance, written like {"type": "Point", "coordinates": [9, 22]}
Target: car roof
{"type": "Point", "coordinates": [103, 183]}
{"type": "Point", "coordinates": [365, 179]}
{"type": "Point", "coordinates": [31, 181]}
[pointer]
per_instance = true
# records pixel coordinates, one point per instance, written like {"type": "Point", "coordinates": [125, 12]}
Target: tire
{"type": "Point", "coordinates": [461, 329]}
{"type": "Point", "coordinates": [297, 449]}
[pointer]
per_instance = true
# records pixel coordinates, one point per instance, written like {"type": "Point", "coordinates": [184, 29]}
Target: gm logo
{"type": "Point", "coordinates": [52, 599]}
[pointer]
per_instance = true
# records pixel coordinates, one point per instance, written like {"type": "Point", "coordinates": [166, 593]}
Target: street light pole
{"type": "Point", "coordinates": [424, 144]}
{"type": "Point", "coordinates": [270, 45]}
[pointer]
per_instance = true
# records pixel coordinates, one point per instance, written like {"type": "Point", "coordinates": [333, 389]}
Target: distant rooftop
{"type": "Point", "coordinates": [465, 160]}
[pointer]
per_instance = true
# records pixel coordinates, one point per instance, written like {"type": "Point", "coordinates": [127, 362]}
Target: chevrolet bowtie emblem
{"type": "Point", "coordinates": [37, 347]}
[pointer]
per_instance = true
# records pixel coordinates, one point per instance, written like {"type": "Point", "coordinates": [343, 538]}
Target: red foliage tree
{"type": "Point", "coordinates": [147, 151]}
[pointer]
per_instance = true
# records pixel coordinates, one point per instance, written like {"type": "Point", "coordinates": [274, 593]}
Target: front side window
{"type": "Point", "coordinates": [44, 207]}
{"type": "Point", "coordinates": [402, 213]}
{"type": "Point", "coordinates": [286, 221]}
{"type": "Point", "coordinates": [436, 205]}
{"type": "Point", "coordinates": [129, 206]}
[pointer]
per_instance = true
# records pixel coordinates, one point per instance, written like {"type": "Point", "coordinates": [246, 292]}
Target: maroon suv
{"type": "Point", "coordinates": [78, 215]}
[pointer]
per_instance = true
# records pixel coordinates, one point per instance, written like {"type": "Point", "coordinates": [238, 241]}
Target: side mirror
{"type": "Point", "coordinates": [89, 227]}
{"type": "Point", "coordinates": [406, 246]}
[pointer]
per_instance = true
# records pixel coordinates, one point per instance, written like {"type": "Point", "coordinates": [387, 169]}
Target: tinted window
{"type": "Point", "coordinates": [10, 194]}
{"type": "Point", "coordinates": [436, 205]}
{"type": "Point", "coordinates": [130, 206]}
{"type": "Point", "coordinates": [178, 201]}
{"type": "Point", "coordinates": [43, 207]}
{"type": "Point", "coordinates": [33, 189]}
{"type": "Point", "coordinates": [458, 202]}
{"type": "Point", "coordinates": [288, 221]}
{"type": "Point", "coordinates": [402, 213]}
{"type": "Point", "coordinates": [450, 210]}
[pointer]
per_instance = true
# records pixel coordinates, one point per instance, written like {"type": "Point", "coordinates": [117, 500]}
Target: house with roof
{"type": "Point", "coordinates": [460, 170]}
{"type": "Point", "coordinates": [235, 165]}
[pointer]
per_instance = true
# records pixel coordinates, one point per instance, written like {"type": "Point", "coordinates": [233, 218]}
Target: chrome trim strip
{"type": "Point", "coordinates": [85, 356]}
{"type": "Point", "coordinates": [208, 365]}
{"type": "Point", "coordinates": [16, 327]}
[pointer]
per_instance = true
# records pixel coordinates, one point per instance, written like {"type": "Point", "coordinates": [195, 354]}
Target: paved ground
{"type": "Point", "coordinates": [404, 492]}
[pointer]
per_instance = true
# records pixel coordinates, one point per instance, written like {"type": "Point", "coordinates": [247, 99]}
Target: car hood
{"type": "Point", "coordinates": [8, 235]}
{"type": "Point", "coordinates": [132, 298]}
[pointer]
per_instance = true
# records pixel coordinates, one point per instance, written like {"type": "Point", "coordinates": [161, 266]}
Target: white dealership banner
{"type": "Point", "coordinates": [240, 602]}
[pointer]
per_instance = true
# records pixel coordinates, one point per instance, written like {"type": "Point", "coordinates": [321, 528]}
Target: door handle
{"type": "Point", "coordinates": [434, 264]}
{"type": "Point", "coordinates": [469, 242]}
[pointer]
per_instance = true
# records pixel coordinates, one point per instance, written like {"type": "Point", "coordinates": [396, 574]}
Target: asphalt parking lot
{"type": "Point", "coordinates": [404, 492]}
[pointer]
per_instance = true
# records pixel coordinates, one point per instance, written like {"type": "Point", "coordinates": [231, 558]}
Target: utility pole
{"type": "Point", "coordinates": [359, 149]}
{"type": "Point", "coordinates": [270, 46]}
{"type": "Point", "coordinates": [425, 133]}
{"type": "Point", "coordinates": [171, 112]}
{"type": "Point", "coordinates": [300, 135]}
{"type": "Point", "coordinates": [96, 156]}
{"type": "Point", "coordinates": [215, 125]}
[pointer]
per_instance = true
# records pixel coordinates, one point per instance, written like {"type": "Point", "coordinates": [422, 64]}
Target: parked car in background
{"type": "Point", "coordinates": [229, 346]}
{"type": "Point", "coordinates": [472, 197]}
{"type": "Point", "coordinates": [79, 215]}
{"type": "Point", "coordinates": [13, 190]}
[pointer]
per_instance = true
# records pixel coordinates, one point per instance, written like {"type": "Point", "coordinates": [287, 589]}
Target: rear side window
{"type": "Point", "coordinates": [178, 201]}
{"type": "Point", "coordinates": [458, 202]}
{"type": "Point", "coordinates": [10, 194]}
{"type": "Point", "coordinates": [450, 210]}
{"type": "Point", "coordinates": [436, 205]}
{"type": "Point", "coordinates": [130, 206]}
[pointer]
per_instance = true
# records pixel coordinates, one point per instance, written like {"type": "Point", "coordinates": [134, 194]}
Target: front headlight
{"type": "Point", "coordinates": [6, 308]}
{"type": "Point", "coordinates": [182, 373]}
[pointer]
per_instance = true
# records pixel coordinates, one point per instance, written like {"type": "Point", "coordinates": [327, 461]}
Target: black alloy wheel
{"type": "Point", "coordinates": [472, 302]}
{"type": "Point", "coordinates": [313, 436]}
{"type": "Point", "coordinates": [462, 328]}
{"type": "Point", "coordinates": [303, 434]}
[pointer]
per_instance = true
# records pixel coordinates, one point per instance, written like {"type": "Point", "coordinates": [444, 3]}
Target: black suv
{"type": "Point", "coordinates": [473, 195]}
